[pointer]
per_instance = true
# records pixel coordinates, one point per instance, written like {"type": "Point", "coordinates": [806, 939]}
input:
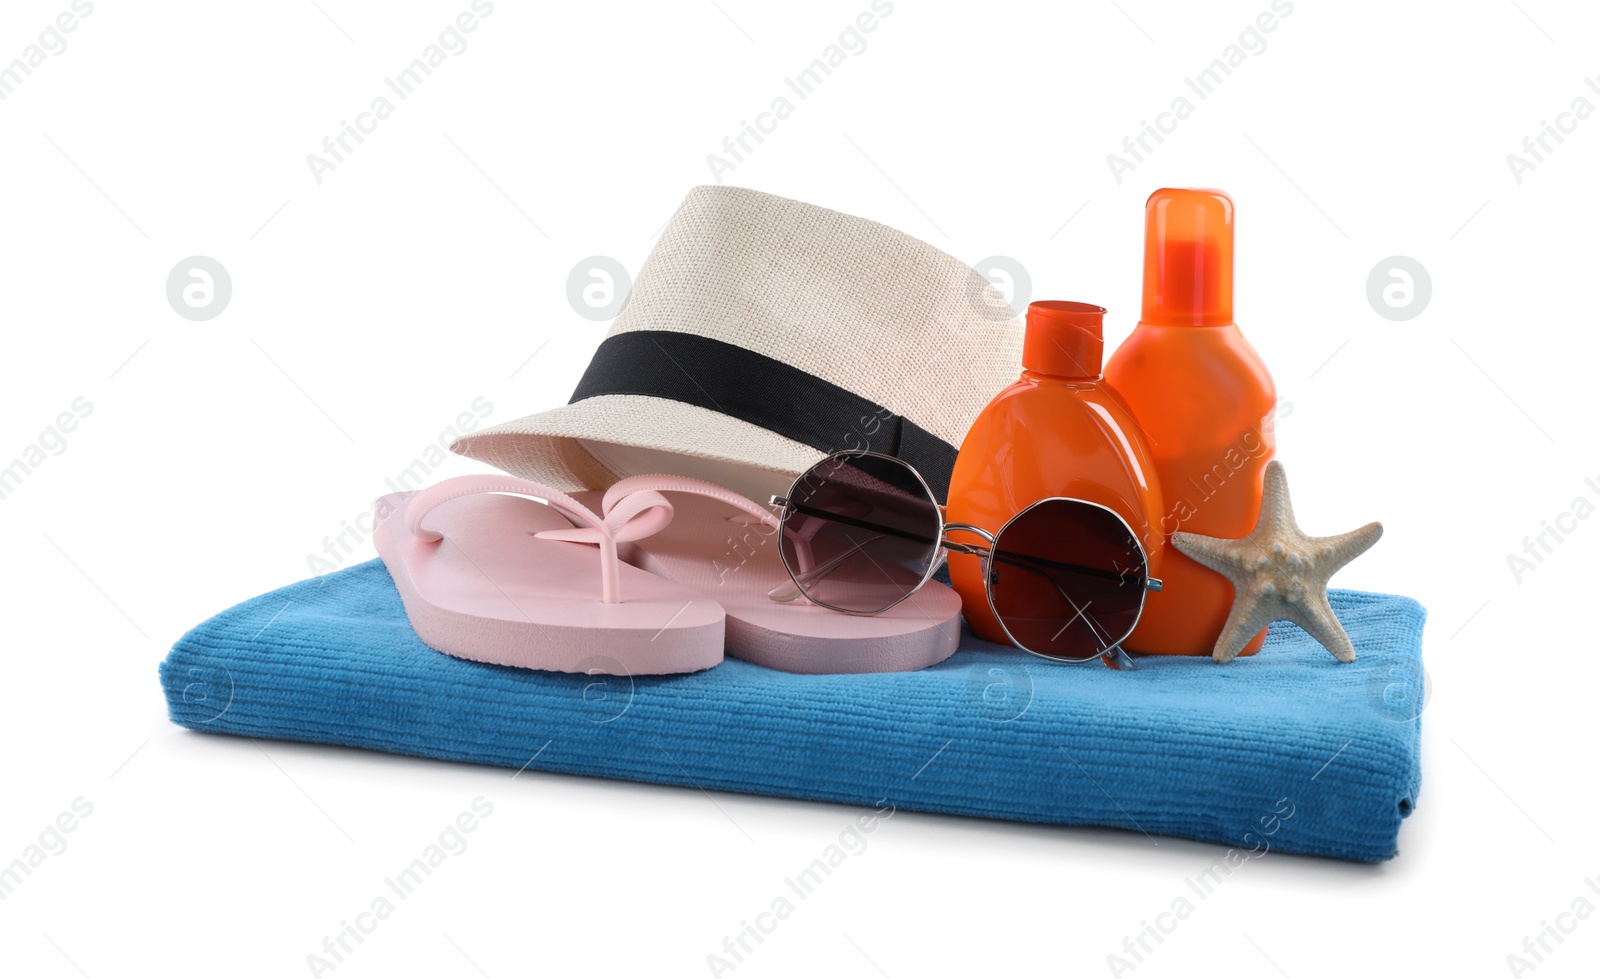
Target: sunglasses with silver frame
{"type": "Point", "coordinates": [891, 537]}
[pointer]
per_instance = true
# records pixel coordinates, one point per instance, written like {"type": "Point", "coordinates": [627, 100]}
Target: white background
{"type": "Point", "coordinates": [372, 308]}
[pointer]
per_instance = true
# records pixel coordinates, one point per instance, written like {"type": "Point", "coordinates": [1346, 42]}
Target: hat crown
{"type": "Point", "coordinates": [763, 333]}
{"type": "Point", "coordinates": [845, 299]}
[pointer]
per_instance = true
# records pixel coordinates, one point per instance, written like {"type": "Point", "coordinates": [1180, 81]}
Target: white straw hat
{"type": "Point", "coordinates": [763, 333]}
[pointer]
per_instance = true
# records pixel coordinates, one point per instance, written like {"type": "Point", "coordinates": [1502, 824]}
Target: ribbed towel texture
{"type": "Point", "coordinates": [1182, 747]}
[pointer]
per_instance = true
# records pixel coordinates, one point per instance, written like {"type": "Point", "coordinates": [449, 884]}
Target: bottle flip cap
{"type": "Point", "coordinates": [1064, 339]}
{"type": "Point", "coordinates": [1188, 258]}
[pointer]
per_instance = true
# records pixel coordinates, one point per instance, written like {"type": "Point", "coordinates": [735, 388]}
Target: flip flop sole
{"type": "Point", "coordinates": [727, 556]}
{"type": "Point", "coordinates": [490, 591]}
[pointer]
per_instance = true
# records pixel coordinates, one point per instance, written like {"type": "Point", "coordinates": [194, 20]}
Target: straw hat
{"type": "Point", "coordinates": [763, 333]}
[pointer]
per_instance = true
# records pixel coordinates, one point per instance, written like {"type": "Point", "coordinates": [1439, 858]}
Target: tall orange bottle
{"type": "Point", "coordinates": [1056, 432]}
{"type": "Point", "coordinates": [1204, 400]}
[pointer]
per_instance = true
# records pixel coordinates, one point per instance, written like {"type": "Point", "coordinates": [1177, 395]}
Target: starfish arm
{"type": "Point", "coordinates": [1341, 549]}
{"type": "Point", "coordinates": [1213, 552]}
{"type": "Point", "coordinates": [1277, 513]}
{"type": "Point", "coordinates": [1245, 619]}
{"type": "Point", "coordinates": [1317, 619]}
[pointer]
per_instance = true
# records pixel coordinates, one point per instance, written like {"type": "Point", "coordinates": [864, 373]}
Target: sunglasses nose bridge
{"type": "Point", "coordinates": [967, 528]}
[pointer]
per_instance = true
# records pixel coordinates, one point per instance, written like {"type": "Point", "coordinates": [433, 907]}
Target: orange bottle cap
{"type": "Point", "coordinates": [1064, 339]}
{"type": "Point", "coordinates": [1188, 258]}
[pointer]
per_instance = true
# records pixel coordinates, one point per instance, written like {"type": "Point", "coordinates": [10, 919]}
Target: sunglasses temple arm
{"type": "Point", "coordinates": [1118, 660]}
{"type": "Point", "coordinates": [1111, 653]}
{"type": "Point", "coordinates": [1151, 584]}
{"type": "Point", "coordinates": [977, 550]}
{"type": "Point", "coordinates": [974, 549]}
{"type": "Point", "coordinates": [790, 590]}
{"type": "Point", "coordinates": [863, 524]}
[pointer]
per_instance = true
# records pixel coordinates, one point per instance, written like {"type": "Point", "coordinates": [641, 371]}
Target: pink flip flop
{"type": "Point", "coordinates": [503, 579]}
{"type": "Point", "coordinates": [725, 547]}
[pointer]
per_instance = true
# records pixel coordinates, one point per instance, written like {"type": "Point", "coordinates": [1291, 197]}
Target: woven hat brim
{"type": "Point", "coordinates": [545, 446]}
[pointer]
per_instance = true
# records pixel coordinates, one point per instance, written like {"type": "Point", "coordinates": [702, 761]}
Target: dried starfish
{"type": "Point", "coordinates": [1279, 573]}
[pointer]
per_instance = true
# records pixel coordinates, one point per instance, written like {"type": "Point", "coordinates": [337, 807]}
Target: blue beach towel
{"type": "Point", "coordinates": [1286, 749]}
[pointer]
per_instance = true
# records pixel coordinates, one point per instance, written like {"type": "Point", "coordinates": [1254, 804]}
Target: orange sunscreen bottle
{"type": "Point", "coordinates": [1056, 432]}
{"type": "Point", "coordinates": [1205, 402]}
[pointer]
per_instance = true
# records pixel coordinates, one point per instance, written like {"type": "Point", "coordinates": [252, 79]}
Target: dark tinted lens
{"type": "Point", "coordinates": [861, 532]}
{"type": "Point", "coordinates": [1067, 579]}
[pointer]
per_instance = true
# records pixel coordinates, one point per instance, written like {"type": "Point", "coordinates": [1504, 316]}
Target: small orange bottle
{"type": "Point", "coordinates": [1056, 432]}
{"type": "Point", "coordinates": [1206, 404]}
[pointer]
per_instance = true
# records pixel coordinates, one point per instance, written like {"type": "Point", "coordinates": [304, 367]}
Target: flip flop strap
{"type": "Point", "coordinates": [621, 492]}
{"type": "Point", "coordinates": [643, 514]}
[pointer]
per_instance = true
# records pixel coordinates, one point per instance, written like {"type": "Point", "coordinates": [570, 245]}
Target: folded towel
{"type": "Point", "coordinates": [1287, 749]}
